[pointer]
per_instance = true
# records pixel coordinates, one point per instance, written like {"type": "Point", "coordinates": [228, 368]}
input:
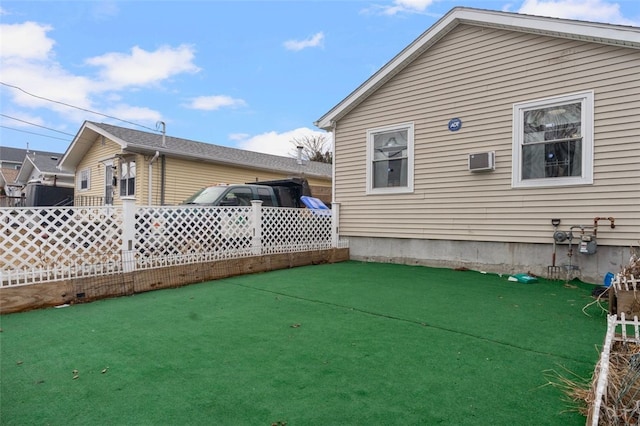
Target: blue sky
{"type": "Point", "coordinates": [248, 74]}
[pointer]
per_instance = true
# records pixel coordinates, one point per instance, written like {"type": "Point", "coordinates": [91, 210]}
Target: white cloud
{"type": "Point", "coordinates": [135, 114]}
{"type": "Point", "coordinates": [214, 102]}
{"type": "Point", "coordinates": [104, 10]}
{"type": "Point", "coordinates": [275, 143]}
{"type": "Point", "coordinates": [587, 10]}
{"type": "Point", "coordinates": [29, 65]}
{"type": "Point", "coordinates": [141, 67]}
{"type": "Point", "coordinates": [27, 41]}
{"type": "Point", "coordinates": [406, 6]}
{"type": "Point", "coordinates": [315, 40]}
{"type": "Point", "coordinates": [36, 77]}
{"type": "Point", "coordinates": [238, 137]}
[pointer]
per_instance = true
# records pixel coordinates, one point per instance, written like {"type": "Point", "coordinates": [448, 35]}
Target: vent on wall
{"type": "Point", "coordinates": [482, 161]}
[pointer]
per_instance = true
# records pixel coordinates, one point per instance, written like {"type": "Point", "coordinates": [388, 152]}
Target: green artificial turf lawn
{"type": "Point", "coordinates": [342, 344]}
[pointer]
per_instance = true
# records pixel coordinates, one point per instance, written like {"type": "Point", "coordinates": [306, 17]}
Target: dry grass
{"type": "Point", "coordinates": [621, 400]}
{"type": "Point", "coordinates": [633, 268]}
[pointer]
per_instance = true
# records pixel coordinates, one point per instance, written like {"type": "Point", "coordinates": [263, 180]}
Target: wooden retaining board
{"type": "Point", "coordinates": [86, 289]}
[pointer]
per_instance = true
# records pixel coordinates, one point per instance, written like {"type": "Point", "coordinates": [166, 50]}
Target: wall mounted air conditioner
{"type": "Point", "coordinates": [482, 161]}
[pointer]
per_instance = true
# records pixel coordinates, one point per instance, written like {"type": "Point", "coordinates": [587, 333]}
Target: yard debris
{"type": "Point", "coordinates": [623, 388]}
{"type": "Point", "coordinates": [76, 374]}
{"type": "Point", "coordinates": [619, 399]}
{"type": "Point", "coordinates": [104, 370]}
{"type": "Point", "coordinates": [295, 325]}
{"type": "Point", "coordinates": [633, 268]}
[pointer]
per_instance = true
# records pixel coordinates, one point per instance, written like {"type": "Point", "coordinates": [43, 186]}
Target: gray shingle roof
{"type": "Point", "coordinates": [13, 155]}
{"type": "Point", "coordinates": [46, 162]}
{"type": "Point", "coordinates": [178, 147]}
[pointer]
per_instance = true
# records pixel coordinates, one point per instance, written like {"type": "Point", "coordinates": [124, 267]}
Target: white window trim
{"type": "Point", "coordinates": [587, 125]}
{"type": "Point", "coordinates": [409, 127]}
{"type": "Point", "coordinates": [127, 160]}
{"type": "Point", "coordinates": [80, 188]}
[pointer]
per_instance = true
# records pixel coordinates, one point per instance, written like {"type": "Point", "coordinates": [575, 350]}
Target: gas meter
{"type": "Point", "coordinates": [588, 244]}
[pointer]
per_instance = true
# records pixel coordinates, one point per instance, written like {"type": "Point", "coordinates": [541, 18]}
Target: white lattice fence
{"type": "Point", "coordinates": [180, 235]}
{"type": "Point", "coordinates": [285, 229]}
{"type": "Point", "coordinates": [47, 244]}
{"type": "Point", "coordinates": [41, 244]}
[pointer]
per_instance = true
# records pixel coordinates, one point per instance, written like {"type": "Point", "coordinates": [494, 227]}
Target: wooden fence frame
{"type": "Point", "coordinates": [87, 289]}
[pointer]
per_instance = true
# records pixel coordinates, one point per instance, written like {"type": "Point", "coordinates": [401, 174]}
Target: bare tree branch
{"type": "Point", "coordinates": [314, 148]}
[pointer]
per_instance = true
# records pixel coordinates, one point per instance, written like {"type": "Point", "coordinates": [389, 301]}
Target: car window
{"type": "Point", "coordinates": [266, 195]}
{"type": "Point", "coordinates": [206, 195]}
{"type": "Point", "coordinates": [238, 197]}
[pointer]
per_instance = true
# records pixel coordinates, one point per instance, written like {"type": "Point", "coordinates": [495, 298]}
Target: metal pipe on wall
{"type": "Point", "coordinates": [150, 177]}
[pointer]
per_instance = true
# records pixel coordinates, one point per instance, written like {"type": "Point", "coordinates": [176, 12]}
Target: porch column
{"type": "Point", "coordinates": [335, 224]}
{"type": "Point", "coordinates": [256, 213]}
{"type": "Point", "coordinates": [128, 234]}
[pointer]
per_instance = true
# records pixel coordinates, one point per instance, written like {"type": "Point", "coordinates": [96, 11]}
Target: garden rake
{"type": "Point", "coordinates": [554, 272]}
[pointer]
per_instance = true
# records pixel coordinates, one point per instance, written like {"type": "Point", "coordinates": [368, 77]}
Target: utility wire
{"type": "Point", "coordinates": [36, 125]}
{"type": "Point", "coordinates": [76, 107]}
{"type": "Point", "coordinates": [33, 133]}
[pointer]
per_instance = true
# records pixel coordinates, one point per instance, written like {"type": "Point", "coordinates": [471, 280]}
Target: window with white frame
{"type": "Point", "coordinates": [127, 177]}
{"type": "Point", "coordinates": [553, 141]}
{"type": "Point", "coordinates": [390, 159]}
{"type": "Point", "coordinates": [84, 180]}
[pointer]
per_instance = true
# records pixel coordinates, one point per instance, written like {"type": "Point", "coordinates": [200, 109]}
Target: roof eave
{"type": "Point", "coordinates": [81, 144]}
{"type": "Point", "coordinates": [141, 149]}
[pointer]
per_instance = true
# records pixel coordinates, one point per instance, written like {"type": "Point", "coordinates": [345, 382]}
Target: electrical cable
{"type": "Point", "coordinates": [36, 125]}
{"type": "Point", "coordinates": [33, 133]}
{"type": "Point", "coordinates": [76, 107]}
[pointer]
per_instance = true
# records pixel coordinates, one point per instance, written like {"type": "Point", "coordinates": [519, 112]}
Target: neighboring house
{"type": "Point", "coordinates": [10, 161]}
{"type": "Point", "coordinates": [549, 108]}
{"type": "Point", "coordinates": [111, 162]}
{"type": "Point", "coordinates": [22, 170]}
{"type": "Point", "coordinates": [9, 190]}
{"type": "Point", "coordinates": [11, 158]}
{"type": "Point", "coordinates": [43, 184]}
{"type": "Point", "coordinates": [41, 168]}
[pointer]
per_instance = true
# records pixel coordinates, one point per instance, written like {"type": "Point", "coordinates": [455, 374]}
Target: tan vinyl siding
{"type": "Point", "coordinates": [183, 178]}
{"type": "Point", "coordinates": [477, 74]}
{"type": "Point", "coordinates": [93, 160]}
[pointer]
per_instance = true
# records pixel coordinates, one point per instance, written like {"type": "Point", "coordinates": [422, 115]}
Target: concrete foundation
{"type": "Point", "coordinates": [503, 258]}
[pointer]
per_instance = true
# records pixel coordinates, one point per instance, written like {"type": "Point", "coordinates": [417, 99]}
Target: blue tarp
{"type": "Point", "coordinates": [315, 204]}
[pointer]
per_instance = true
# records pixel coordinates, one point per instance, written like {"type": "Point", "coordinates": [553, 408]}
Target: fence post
{"type": "Point", "coordinates": [256, 244]}
{"type": "Point", "coordinates": [335, 224]}
{"type": "Point", "coordinates": [128, 233]}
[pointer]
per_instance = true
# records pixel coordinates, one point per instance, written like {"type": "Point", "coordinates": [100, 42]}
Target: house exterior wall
{"type": "Point", "coordinates": [94, 161]}
{"type": "Point", "coordinates": [50, 178]}
{"type": "Point", "coordinates": [477, 74]}
{"type": "Point", "coordinates": [184, 177]}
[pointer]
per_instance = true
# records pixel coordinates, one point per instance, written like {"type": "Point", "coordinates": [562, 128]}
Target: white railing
{"type": "Point", "coordinates": [623, 331]}
{"type": "Point", "coordinates": [56, 243]}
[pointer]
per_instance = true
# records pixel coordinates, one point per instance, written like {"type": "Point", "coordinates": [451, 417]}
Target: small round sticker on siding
{"type": "Point", "coordinates": [455, 124]}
